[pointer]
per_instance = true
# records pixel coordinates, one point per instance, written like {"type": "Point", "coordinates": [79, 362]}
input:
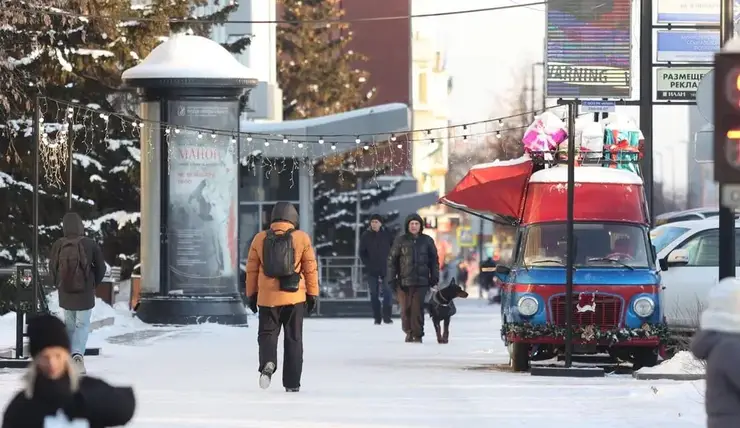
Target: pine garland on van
{"type": "Point", "coordinates": [588, 333]}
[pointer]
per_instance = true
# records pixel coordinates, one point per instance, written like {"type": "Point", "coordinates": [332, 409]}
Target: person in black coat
{"type": "Point", "coordinates": [413, 267]}
{"type": "Point", "coordinates": [55, 391]}
{"type": "Point", "coordinates": [375, 245]}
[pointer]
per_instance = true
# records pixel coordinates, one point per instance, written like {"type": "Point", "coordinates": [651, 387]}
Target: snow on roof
{"type": "Point", "coordinates": [186, 56]}
{"type": "Point", "coordinates": [301, 126]}
{"type": "Point", "coordinates": [586, 174]}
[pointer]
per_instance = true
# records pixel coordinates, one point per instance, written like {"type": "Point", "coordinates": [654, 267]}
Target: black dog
{"type": "Point", "coordinates": [441, 307]}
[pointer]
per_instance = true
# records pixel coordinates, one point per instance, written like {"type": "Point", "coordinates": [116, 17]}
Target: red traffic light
{"type": "Point", "coordinates": [732, 147]}
{"type": "Point", "coordinates": [732, 87]}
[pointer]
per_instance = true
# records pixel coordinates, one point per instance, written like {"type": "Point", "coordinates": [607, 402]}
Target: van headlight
{"type": "Point", "coordinates": [527, 306]}
{"type": "Point", "coordinates": [643, 306]}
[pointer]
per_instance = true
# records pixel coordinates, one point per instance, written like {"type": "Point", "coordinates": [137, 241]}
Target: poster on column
{"type": "Point", "coordinates": [203, 192]}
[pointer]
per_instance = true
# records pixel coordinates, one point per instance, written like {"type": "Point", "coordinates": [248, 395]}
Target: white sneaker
{"type": "Point", "coordinates": [79, 362]}
{"type": "Point", "coordinates": [266, 375]}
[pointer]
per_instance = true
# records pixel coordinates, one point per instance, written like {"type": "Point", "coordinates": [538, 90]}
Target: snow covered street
{"type": "Point", "coordinates": [358, 375]}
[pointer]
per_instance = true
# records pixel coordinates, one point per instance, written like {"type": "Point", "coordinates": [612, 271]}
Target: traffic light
{"type": "Point", "coordinates": [727, 117]}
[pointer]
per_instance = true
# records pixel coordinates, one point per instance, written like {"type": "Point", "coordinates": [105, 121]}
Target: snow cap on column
{"type": "Point", "coordinates": [723, 310]}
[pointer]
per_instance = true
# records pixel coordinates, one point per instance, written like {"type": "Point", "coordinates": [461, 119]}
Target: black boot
{"type": "Point", "coordinates": [377, 322]}
{"type": "Point", "coordinates": [409, 338]}
{"type": "Point", "coordinates": [387, 312]}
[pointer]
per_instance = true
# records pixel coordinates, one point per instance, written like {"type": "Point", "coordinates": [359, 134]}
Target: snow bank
{"type": "Point", "coordinates": [123, 321]}
{"type": "Point", "coordinates": [681, 363]}
{"type": "Point", "coordinates": [100, 312]}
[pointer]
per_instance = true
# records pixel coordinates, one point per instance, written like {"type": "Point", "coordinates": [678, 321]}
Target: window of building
{"type": "Point", "coordinates": [422, 88]}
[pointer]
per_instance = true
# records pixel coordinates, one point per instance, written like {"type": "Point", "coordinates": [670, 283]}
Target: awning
{"type": "Point", "coordinates": [497, 188]}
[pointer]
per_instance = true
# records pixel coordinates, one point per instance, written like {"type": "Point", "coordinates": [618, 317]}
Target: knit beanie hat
{"type": "Point", "coordinates": [45, 331]}
{"type": "Point", "coordinates": [723, 309]}
{"type": "Point", "coordinates": [376, 217]}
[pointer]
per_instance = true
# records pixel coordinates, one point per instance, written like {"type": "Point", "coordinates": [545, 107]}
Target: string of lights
{"type": "Point", "coordinates": [459, 130]}
{"type": "Point", "coordinates": [57, 12]}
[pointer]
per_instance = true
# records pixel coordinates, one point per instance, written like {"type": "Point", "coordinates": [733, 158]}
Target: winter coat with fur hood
{"type": "Point", "coordinates": [413, 261]}
{"type": "Point", "coordinates": [77, 397]}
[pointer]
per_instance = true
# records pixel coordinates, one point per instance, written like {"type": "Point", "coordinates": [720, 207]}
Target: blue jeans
{"type": "Point", "coordinates": [375, 284]}
{"type": "Point", "coordinates": [78, 329]}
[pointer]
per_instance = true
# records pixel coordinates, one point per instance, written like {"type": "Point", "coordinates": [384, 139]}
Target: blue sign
{"type": "Point", "coordinates": [687, 45]}
{"type": "Point", "coordinates": [598, 106]}
{"type": "Point", "coordinates": [691, 12]}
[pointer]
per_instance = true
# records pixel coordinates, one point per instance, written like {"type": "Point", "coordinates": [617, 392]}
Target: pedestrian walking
{"type": "Point", "coordinates": [413, 267]}
{"type": "Point", "coordinates": [283, 285]}
{"type": "Point", "coordinates": [55, 394]}
{"type": "Point", "coordinates": [77, 266]}
{"type": "Point", "coordinates": [375, 245]}
{"type": "Point", "coordinates": [718, 343]}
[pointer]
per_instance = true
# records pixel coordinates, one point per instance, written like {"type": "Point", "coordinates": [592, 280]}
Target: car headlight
{"type": "Point", "coordinates": [643, 306]}
{"type": "Point", "coordinates": [527, 306]}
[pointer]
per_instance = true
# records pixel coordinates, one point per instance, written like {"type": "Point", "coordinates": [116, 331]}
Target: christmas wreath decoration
{"type": "Point", "coordinates": [588, 333]}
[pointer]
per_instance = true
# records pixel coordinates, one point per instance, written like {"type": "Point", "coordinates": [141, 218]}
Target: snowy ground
{"type": "Point", "coordinates": [358, 375]}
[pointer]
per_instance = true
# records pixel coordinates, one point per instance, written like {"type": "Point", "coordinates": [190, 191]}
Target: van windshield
{"type": "Point", "coordinates": [615, 245]}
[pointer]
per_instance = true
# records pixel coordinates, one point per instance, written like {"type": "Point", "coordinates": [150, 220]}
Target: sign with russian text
{"type": "Point", "coordinates": [687, 45]}
{"type": "Point", "coordinates": [679, 83]}
{"type": "Point", "coordinates": [588, 52]}
{"type": "Point", "coordinates": [691, 12]}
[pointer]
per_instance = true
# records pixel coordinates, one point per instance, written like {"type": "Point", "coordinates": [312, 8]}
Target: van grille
{"type": "Point", "coordinates": [607, 315]}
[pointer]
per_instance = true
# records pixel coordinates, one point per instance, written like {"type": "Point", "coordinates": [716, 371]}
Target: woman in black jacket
{"type": "Point", "coordinates": [54, 390]}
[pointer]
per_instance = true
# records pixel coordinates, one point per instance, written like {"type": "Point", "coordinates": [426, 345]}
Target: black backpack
{"type": "Point", "coordinates": [72, 266]}
{"type": "Point", "coordinates": [278, 257]}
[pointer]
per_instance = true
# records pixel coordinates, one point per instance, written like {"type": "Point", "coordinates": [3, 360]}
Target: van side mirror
{"type": "Point", "coordinates": [679, 257]}
{"type": "Point", "coordinates": [502, 270]}
{"type": "Point", "coordinates": [663, 263]}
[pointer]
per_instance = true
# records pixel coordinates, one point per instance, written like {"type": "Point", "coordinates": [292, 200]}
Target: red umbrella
{"type": "Point", "coordinates": [497, 187]}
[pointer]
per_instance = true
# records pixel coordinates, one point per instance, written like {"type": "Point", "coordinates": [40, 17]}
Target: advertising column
{"type": "Point", "coordinates": [203, 197]}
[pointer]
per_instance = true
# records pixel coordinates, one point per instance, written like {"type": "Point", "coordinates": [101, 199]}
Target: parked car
{"type": "Point", "coordinates": [688, 255]}
{"type": "Point", "coordinates": [687, 215]}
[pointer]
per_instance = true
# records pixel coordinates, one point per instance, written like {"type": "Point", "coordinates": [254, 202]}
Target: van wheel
{"type": "Point", "coordinates": [519, 356]}
{"type": "Point", "coordinates": [644, 357]}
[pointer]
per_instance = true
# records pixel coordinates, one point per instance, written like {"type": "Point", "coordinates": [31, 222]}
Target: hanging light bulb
{"type": "Point", "coordinates": [200, 135]}
{"type": "Point", "coordinates": [321, 140]}
{"type": "Point", "coordinates": [167, 131]}
{"type": "Point", "coordinates": [213, 135]}
{"type": "Point", "coordinates": [285, 141]}
{"type": "Point", "coordinates": [177, 130]}
{"type": "Point", "coordinates": [333, 146]}
{"type": "Point", "coordinates": [465, 127]}
{"type": "Point", "coordinates": [357, 140]}
{"type": "Point", "coordinates": [365, 147]}
{"type": "Point", "coordinates": [393, 137]}
{"type": "Point", "coordinates": [249, 138]}
{"type": "Point", "coordinates": [498, 134]}
{"type": "Point", "coordinates": [400, 146]}
{"type": "Point", "coordinates": [300, 145]}
{"type": "Point", "coordinates": [431, 141]}
{"type": "Point", "coordinates": [233, 139]}
{"type": "Point", "coordinates": [429, 131]}
{"type": "Point", "coordinates": [465, 137]}
{"type": "Point", "coordinates": [267, 143]}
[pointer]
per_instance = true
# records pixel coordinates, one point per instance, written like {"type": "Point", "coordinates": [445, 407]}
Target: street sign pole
{"type": "Point", "coordinates": [726, 214]}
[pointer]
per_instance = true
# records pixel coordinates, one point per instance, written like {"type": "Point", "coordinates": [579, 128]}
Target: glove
{"type": "Point", "coordinates": [310, 304]}
{"type": "Point", "coordinates": [252, 303]}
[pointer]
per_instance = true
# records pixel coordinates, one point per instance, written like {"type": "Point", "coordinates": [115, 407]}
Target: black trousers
{"type": "Point", "coordinates": [270, 321]}
{"type": "Point", "coordinates": [411, 301]}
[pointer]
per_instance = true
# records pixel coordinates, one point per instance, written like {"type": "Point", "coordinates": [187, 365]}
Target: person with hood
{"type": "Point", "coordinates": [375, 245]}
{"type": "Point", "coordinates": [54, 391]}
{"type": "Point", "coordinates": [413, 267]}
{"type": "Point", "coordinates": [718, 343]}
{"type": "Point", "coordinates": [76, 266]}
{"type": "Point", "coordinates": [282, 298]}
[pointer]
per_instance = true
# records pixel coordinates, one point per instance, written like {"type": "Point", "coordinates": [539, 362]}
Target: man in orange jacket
{"type": "Point", "coordinates": [278, 308]}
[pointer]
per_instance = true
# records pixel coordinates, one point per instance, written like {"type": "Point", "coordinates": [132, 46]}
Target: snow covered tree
{"type": "Point", "coordinates": [79, 60]}
{"type": "Point", "coordinates": [335, 202]}
{"type": "Point", "coordinates": [317, 70]}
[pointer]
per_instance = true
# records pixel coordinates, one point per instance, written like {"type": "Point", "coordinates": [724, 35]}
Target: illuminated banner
{"type": "Point", "coordinates": [589, 48]}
